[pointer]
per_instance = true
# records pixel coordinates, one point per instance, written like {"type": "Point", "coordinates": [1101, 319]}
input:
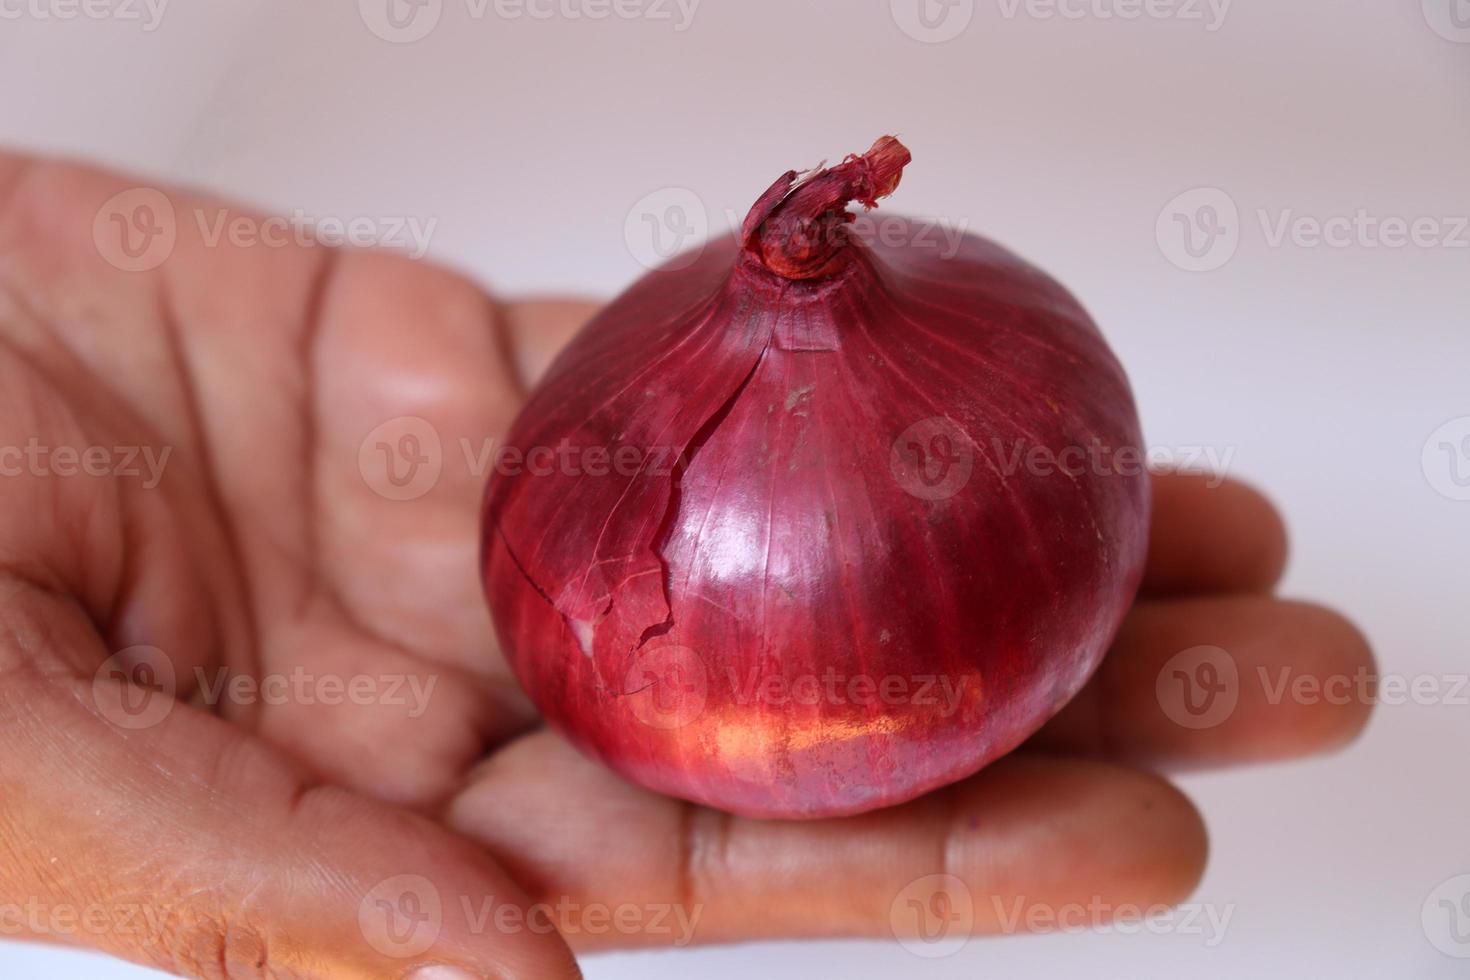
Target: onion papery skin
{"type": "Point", "coordinates": [778, 606]}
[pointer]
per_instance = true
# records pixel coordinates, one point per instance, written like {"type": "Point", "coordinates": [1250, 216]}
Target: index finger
{"type": "Point", "coordinates": [1210, 535]}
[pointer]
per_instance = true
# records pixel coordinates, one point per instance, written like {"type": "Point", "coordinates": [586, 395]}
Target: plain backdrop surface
{"type": "Point", "coordinates": [1334, 374]}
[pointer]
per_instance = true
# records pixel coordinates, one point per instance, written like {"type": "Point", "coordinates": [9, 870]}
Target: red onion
{"type": "Point", "coordinates": [819, 521]}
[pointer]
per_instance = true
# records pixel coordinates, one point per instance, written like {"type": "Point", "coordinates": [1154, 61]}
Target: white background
{"type": "Point", "coordinates": [1324, 370]}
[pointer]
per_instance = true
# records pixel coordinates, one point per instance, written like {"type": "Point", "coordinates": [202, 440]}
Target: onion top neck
{"type": "Point", "coordinates": [798, 228]}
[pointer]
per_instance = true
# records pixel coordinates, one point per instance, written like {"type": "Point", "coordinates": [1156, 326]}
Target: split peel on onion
{"type": "Point", "coordinates": [818, 521]}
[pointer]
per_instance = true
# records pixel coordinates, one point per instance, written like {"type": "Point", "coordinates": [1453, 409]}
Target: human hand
{"type": "Point", "coordinates": [281, 836]}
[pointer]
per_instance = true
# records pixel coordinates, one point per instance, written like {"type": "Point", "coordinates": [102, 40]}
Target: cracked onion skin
{"type": "Point", "coordinates": [832, 571]}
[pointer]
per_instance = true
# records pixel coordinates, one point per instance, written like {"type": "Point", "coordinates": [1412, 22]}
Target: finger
{"type": "Point", "coordinates": [1212, 536]}
{"type": "Point", "coordinates": [1026, 833]}
{"type": "Point", "coordinates": [1204, 682]}
{"type": "Point", "coordinates": [165, 836]}
{"type": "Point", "coordinates": [537, 330]}
{"type": "Point", "coordinates": [405, 424]}
{"type": "Point", "coordinates": [297, 513]}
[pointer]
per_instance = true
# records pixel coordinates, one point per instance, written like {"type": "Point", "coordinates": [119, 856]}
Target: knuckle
{"type": "Point", "coordinates": [208, 947]}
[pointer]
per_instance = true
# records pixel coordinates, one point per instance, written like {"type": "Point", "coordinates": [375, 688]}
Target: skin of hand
{"type": "Point", "coordinates": [234, 834]}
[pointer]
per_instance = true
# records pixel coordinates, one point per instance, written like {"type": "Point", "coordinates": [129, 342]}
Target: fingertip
{"type": "Point", "coordinates": [1336, 654]}
{"type": "Point", "coordinates": [538, 329]}
{"type": "Point", "coordinates": [1100, 832]}
{"type": "Point", "coordinates": [1263, 556]}
{"type": "Point", "coordinates": [1178, 840]}
{"type": "Point", "coordinates": [1210, 534]}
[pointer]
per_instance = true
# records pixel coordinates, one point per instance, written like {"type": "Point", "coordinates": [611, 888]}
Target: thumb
{"type": "Point", "coordinates": [142, 827]}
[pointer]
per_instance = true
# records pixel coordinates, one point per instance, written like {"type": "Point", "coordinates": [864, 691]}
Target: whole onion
{"type": "Point", "coordinates": [819, 520]}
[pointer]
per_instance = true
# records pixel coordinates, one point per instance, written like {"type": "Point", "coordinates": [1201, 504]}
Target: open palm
{"type": "Point", "coordinates": [248, 472]}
